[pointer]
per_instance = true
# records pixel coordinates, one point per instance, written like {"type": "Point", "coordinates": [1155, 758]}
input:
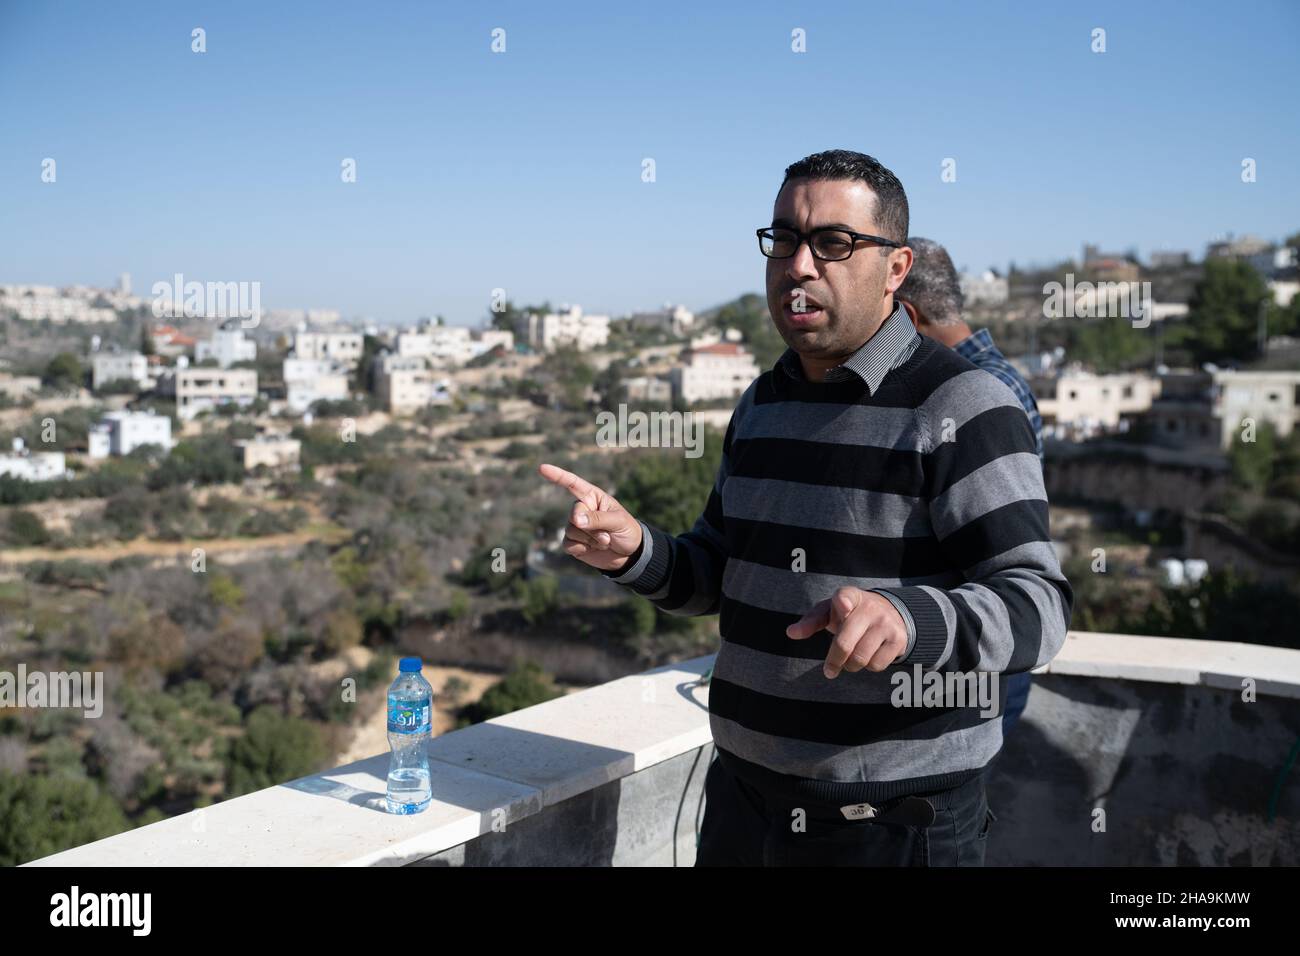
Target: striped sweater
{"type": "Point", "coordinates": [908, 472]}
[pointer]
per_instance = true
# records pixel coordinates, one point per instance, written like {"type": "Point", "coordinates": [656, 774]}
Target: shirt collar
{"type": "Point", "coordinates": [980, 341]}
{"type": "Point", "coordinates": [872, 361]}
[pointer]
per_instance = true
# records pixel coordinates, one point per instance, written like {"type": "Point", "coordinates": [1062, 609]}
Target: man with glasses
{"type": "Point", "coordinates": [876, 544]}
{"type": "Point", "coordinates": [932, 296]}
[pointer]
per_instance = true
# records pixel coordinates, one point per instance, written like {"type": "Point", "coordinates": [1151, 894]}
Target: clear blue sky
{"type": "Point", "coordinates": [523, 170]}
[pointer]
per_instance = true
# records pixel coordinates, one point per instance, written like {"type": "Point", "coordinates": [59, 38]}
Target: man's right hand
{"type": "Point", "coordinates": [599, 533]}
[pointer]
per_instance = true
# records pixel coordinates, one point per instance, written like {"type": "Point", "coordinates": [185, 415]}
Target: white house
{"type": "Point", "coordinates": [121, 432]}
{"type": "Point", "coordinates": [309, 380]}
{"type": "Point", "coordinates": [722, 370]}
{"type": "Point", "coordinates": [569, 326]}
{"type": "Point", "coordinates": [675, 319]}
{"type": "Point", "coordinates": [227, 346]}
{"type": "Point", "coordinates": [33, 466]}
{"type": "Point", "coordinates": [450, 345]}
{"type": "Point", "coordinates": [342, 347]}
{"type": "Point", "coordinates": [110, 366]}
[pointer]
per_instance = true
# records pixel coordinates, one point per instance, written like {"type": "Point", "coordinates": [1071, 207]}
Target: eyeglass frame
{"type": "Point", "coordinates": [807, 237]}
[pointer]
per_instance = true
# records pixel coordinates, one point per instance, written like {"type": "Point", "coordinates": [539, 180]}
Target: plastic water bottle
{"type": "Point", "coordinates": [410, 705]}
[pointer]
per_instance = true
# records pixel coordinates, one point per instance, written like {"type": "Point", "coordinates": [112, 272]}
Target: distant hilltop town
{"type": "Point", "coordinates": [194, 349]}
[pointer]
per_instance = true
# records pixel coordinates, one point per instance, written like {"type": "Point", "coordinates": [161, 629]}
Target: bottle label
{"type": "Point", "coordinates": [408, 717]}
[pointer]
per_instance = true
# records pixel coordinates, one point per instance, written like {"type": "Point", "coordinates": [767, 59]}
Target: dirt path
{"type": "Point", "coordinates": [166, 549]}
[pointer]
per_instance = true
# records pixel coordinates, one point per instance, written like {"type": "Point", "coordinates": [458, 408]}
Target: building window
{"type": "Point", "coordinates": [1128, 391]}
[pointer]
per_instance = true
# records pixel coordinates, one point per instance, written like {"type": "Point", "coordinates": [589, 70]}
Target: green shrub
{"type": "Point", "coordinates": [43, 815]}
{"type": "Point", "coordinates": [274, 749]}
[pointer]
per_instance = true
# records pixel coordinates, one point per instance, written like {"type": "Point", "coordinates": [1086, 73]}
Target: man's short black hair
{"type": "Point", "coordinates": [891, 201]}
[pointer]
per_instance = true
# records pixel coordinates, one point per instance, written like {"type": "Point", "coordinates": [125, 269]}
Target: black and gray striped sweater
{"type": "Point", "coordinates": [920, 480]}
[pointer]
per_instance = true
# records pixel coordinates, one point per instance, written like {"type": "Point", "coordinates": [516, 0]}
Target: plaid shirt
{"type": "Point", "coordinates": [978, 349]}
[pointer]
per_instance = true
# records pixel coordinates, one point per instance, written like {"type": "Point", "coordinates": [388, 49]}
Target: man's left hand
{"type": "Point", "coordinates": [869, 631]}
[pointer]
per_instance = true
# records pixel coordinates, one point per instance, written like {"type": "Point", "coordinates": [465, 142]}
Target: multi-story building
{"type": "Point", "coordinates": [1183, 415]}
{"type": "Point", "coordinates": [198, 389]}
{"type": "Point", "coordinates": [227, 346]}
{"type": "Point", "coordinates": [402, 391]}
{"type": "Point", "coordinates": [723, 370]}
{"type": "Point", "coordinates": [121, 432]}
{"type": "Point", "coordinates": [345, 348]}
{"type": "Point", "coordinates": [1078, 405]}
{"type": "Point", "coordinates": [1210, 410]}
{"type": "Point", "coordinates": [1267, 396]}
{"type": "Point", "coordinates": [569, 326]}
{"type": "Point", "coordinates": [1242, 247]}
{"type": "Point", "coordinates": [439, 344]}
{"type": "Point", "coordinates": [450, 345]}
{"type": "Point", "coordinates": [112, 366]}
{"type": "Point", "coordinates": [406, 383]}
{"type": "Point", "coordinates": [309, 380]}
{"type": "Point", "coordinates": [35, 303]}
{"type": "Point", "coordinates": [675, 319]}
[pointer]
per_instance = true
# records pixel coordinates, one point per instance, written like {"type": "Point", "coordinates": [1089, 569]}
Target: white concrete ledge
{"type": "Point", "coordinates": [509, 768]}
{"type": "Point", "coordinates": [1174, 660]}
{"type": "Point", "coordinates": [499, 771]}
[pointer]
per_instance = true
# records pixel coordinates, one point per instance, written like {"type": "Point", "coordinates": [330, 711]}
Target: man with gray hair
{"type": "Point", "coordinates": [932, 296]}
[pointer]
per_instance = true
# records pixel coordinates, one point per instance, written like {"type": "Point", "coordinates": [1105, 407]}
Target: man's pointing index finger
{"type": "Point", "coordinates": [581, 489]}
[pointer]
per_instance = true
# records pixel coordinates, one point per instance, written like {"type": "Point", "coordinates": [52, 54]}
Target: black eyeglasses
{"type": "Point", "coordinates": [828, 243]}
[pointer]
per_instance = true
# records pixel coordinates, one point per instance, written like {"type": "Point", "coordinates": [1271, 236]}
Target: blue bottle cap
{"type": "Point", "coordinates": [410, 665]}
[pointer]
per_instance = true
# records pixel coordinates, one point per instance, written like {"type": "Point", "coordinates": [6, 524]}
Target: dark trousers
{"type": "Point", "coordinates": [1017, 697]}
{"type": "Point", "coordinates": [744, 826]}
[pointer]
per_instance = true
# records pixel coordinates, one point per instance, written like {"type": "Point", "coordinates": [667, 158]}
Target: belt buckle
{"type": "Point", "coordinates": [858, 811]}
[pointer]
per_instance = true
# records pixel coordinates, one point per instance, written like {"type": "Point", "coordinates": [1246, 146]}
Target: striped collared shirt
{"type": "Point", "coordinates": [889, 347]}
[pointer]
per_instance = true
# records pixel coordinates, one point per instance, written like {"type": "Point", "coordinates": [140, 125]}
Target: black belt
{"type": "Point", "coordinates": [908, 811]}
